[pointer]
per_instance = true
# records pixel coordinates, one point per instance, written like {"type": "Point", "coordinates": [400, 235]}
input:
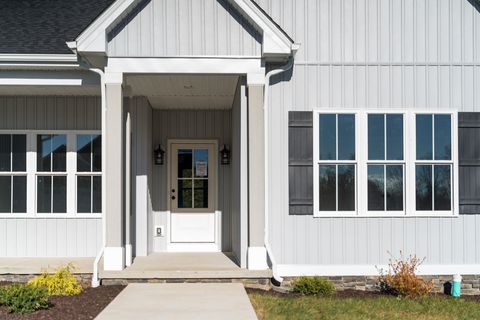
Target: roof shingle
{"type": "Point", "coordinates": [43, 26]}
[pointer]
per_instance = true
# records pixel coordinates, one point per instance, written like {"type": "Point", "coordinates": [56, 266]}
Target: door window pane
{"type": "Point", "coordinates": [328, 142]}
{"type": "Point", "coordinates": [443, 137]}
{"type": "Point", "coordinates": [60, 194]}
{"type": "Point", "coordinates": [185, 193]}
{"type": "Point", "coordinates": [44, 194]}
{"type": "Point", "coordinates": [376, 138]}
{"type": "Point", "coordinates": [394, 136]}
{"type": "Point", "coordinates": [376, 188]}
{"type": "Point", "coordinates": [201, 163]}
{"type": "Point", "coordinates": [346, 187]}
{"type": "Point", "coordinates": [185, 158]}
{"type": "Point", "coordinates": [394, 187]}
{"type": "Point", "coordinates": [201, 194]}
{"type": "Point", "coordinates": [5, 194]}
{"type": "Point", "coordinates": [19, 194]}
{"type": "Point", "coordinates": [346, 137]}
{"type": "Point", "coordinates": [5, 149]}
{"type": "Point", "coordinates": [423, 182]}
{"type": "Point", "coordinates": [424, 137]}
{"type": "Point", "coordinates": [442, 187]}
{"type": "Point", "coordinates": [84, 192]}
{"type": "Point", "coordinates": [327, 187]}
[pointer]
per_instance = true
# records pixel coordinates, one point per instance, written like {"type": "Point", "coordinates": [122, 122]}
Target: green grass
{"type": "Point", "coordinates": [270, 306]}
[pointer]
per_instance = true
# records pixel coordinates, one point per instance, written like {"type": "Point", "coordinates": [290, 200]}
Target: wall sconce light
{"type": "Point", "coordinates": [159, 155]}
{"type": "Point", "coordinates": [225, 155]}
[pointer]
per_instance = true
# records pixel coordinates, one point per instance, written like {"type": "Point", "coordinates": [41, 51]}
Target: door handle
{"type": "Point", "coordinates": [173, 190]}
{"type": "Point", "coordinates": [173, 197]}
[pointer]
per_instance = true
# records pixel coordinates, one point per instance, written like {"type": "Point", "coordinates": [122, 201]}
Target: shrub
{"type": "Point", "coordinates": [62, 283]}
{"type": "Point", "coordinates": [313, 286]}
{"type": "Point", "coordinates": [23, 298]}
{"type": "Point", "coordinates": [401, 278]}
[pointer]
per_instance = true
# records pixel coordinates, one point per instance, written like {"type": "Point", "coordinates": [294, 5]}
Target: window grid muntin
{"type": "Point", "coordinates": [386, 162]}
{"type": "Point", "coordinates": [336, 163]}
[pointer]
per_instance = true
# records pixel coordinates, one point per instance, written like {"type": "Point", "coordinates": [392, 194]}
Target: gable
{"type": "Point", "coordinates": [184, 28]}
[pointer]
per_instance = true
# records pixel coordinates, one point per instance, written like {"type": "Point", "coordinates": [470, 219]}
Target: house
{"type": "Point", "coordinates": [308, 137]}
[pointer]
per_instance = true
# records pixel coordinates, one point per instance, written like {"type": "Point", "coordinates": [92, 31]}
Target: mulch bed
{"type": "Point", "coordinates": [356, 294]}
{"type": "Point", "coordinates": [86, 305]}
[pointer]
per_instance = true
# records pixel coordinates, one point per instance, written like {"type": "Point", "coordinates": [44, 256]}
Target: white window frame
{"type": "Point", "coordinates": [32, 174]}
{"type": "Point", "coordinates": [386, 213]}
{"type": "Point", "coordinates": [317, 162]}
{"type": "Point", "coordinates": [12, 174]}
{"type": "Point", "coordinates": [409, 146]}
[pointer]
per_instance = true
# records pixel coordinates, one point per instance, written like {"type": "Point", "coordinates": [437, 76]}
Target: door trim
{"type": "Point", "coordinates": [194, 247]}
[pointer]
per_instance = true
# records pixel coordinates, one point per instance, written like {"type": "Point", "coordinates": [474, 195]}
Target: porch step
{"type": "Point", "coordinates": [130, 273]}
{"type": "Point", "coordinates": [254, 283]}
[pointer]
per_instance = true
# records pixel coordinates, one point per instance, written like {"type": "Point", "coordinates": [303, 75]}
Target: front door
{"type": "Point", "coordinates": [193, 221]}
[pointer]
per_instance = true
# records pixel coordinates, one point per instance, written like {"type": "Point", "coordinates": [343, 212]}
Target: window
{"type": "Point", "coordinates": [386, 164]}
{"type": "Point", "coordinates": [336, 163]}
{"type": "Point", "coordinates": [433, 165]}
{"type": "Point", "coordinates": [13, 176]}
{"type": "Point", "coordinates": [89, 178]}
{"type": "Point", "coordinates": [51, 173]}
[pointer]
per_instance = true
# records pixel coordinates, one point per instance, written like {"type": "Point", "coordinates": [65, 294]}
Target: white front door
{"type": "Point", "coordinates": [193, 179]}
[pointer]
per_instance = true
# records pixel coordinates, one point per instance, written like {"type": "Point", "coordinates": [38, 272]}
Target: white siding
{"type": "Point", "coordinates": [50, 237]}
{"type": "Point", "coordinates": [184, 28]}
{"type": "Point", "coordinates": [403, 54]}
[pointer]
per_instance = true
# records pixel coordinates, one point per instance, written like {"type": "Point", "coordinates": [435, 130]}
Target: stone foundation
{"type": "Point", "coordinates": [22, 278]}
{"type": "Point", "coordinates": [470, 283]}
{"type": "Point", "coordinates": [254, 283]}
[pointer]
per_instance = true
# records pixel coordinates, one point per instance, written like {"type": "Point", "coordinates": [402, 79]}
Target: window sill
{"type": "Point", "coordinates": [384, 215]}
{"type": "Point", "coordinates": [49, 216]}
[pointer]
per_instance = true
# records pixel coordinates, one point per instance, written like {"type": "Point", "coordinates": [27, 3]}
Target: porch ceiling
{"type": "Point", "coordinates": [185, 91]}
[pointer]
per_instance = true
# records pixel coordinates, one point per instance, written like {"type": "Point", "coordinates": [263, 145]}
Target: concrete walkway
{"type": "Point", "coordinates": [180, 301]}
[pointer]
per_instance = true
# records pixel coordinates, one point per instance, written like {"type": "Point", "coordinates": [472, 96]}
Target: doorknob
{"type": "Point", "coordinates": [173, 197]}
{"type": "Point", "coordinates": [173, 190]}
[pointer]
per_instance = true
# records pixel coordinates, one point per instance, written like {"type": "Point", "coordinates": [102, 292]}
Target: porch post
{"type": "Point", "coordinates": [257, 254]}
{"type": "Point", "coordinates": [114, 255]}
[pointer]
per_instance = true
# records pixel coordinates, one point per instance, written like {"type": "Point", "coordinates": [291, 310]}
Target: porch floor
{"type": "Point", "coordinates": [185, 266]}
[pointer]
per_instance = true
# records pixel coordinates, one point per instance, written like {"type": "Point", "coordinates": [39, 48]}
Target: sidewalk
{"type": "Point", "coordinates": [180, 301]}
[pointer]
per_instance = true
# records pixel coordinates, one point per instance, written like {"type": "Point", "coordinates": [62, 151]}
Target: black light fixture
{"type": "Point", "coordinates": [225, 155]}
{"type": "Point", "coordinates": [159, 155]}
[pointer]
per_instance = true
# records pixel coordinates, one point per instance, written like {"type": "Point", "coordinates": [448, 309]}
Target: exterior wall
{"type": "Point", "coordinates": [411, 54]}
{"type": "Point", "coordinates": [190, 124]}
{"type": "Point", "coordinates": [184, 28]}
{"type": "Point", "coordinates": [50, 237]}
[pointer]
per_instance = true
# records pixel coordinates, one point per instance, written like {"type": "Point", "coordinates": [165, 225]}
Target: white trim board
{"type": "Point", "coordinates": [293, 270]}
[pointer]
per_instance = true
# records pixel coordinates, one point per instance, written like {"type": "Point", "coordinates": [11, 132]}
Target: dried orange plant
{"type": "Point", "coordinates": [402, 280]}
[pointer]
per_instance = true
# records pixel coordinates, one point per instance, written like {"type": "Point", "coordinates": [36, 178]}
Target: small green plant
{"type": "Point", "coordinates": [401, 279]}
{"type": "Point", "coordinates": [23, 298]}
{"type": "Point", "coordinates": [62, 283]}
{"type": "Point", "coordinates": [313, 286]}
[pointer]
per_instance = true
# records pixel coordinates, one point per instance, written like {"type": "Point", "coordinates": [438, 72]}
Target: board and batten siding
{"type": "Point", "coordinates": [50, 237]}
{"type": "Point", "coordinates": [375, 54]}
{"type": "Point", "coordinates": [166, 28]}
{"type": "Point", "coordinates": [191, 124]}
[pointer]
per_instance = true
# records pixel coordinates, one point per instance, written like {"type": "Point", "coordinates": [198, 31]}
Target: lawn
{"type": "Point", "coordinates": [369, 306]}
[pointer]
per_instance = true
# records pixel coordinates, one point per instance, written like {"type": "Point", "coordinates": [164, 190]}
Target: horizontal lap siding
{"type": "Point", "coordinates": [52, 237]}
{"type": "Point", "coordinates": [184, 28]}
{"type": "Point", "coordinates": [366, 54]}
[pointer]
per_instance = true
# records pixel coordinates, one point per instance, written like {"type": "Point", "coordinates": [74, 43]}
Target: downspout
{"type": "Point", "coordinates": [268, 76]}
{"type": "Point", "coordinates": [87, 66]}
{"type": "Point", "coordinates": [128, 171]}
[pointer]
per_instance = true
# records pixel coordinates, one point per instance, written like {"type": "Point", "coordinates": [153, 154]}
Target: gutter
{"type": "Point", "coordinates": [87, 66]}
{"type": "Point", "coordinates": [268, 76]}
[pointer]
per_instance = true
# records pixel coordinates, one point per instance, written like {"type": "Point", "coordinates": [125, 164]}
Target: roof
{"type": "Point", "coordinates": [43, 26]}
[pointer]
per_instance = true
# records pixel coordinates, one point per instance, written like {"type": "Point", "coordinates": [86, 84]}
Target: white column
{"type": "Point", "coordinates": [114, 255]}
{"type": "Point", "coordinates": [257, 253]}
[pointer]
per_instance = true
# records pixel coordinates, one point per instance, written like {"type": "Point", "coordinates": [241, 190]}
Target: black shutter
{"type": "Point", "coordinates": [300, 163]}
{"type": "Point", "coordinates": [469, 162]}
